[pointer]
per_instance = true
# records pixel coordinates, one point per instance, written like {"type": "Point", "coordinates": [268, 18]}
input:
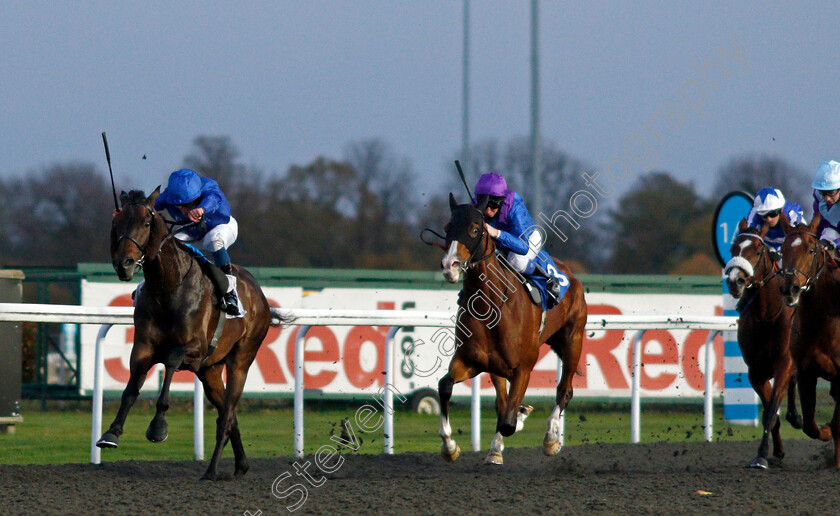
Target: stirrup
{"type": "Point", "coordinates": [230, 303]}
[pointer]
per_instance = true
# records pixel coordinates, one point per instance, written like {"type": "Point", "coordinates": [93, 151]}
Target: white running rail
{"type": "Point", "coordinates": [307, 317]}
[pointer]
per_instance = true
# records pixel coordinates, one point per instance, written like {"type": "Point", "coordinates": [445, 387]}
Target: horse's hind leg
{"type": "Point", "coordinates": [157, 431]}
{"type": "Point", "coordinates": [237, 372]}
{"type": "Point", "coordinates": [835, 421]}
{"type": "Point", "coordinates": [793, 417]}
{"type": "Point", "coordinates": [458, 372]}
{"type": "Point", "coordinates": [567, 344]}
{"type": "Point", "coordinates": [214, 387]}
{"type": "Point", "coordinates": [769, 421]}
{"type": "Point", "coordinates": [140, 362]}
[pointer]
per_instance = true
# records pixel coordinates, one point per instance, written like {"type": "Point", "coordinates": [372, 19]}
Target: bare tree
{"type": "Point", "coordinates": [752, 173]}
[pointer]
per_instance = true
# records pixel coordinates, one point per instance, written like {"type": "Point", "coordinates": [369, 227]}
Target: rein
{"type": "Point", "coordinates": [756, 284]}
{"type": "Point", "coordinates": [171, 233]}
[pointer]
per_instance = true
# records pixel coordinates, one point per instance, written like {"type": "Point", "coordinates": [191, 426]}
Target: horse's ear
{"type": "Point", "coordinates": [452, 202]}
{"type": "Point", "coordinates": [815, 222]}
{"type": "Point", "coordinates": [153, 198]}
{"type": "Point", "coordinates": [123, 198]}
{"type": "Point", "coordinates": [784, 221]}
{"type": "Point", "coordinates": [483, 203]}
{"type": "Point", "coordinates": [764, 229]}
{"type": "Point", "coordinates": [742, 226]}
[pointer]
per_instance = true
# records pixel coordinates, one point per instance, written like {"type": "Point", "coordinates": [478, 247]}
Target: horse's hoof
{"type": "Point", "coordinates": [451, 457]}
{"type": "Point", "coordinates": [759, 463]}
{"type": "Point", "coordinates": [494, 458]}
{"type": "Point", "coordinates": [551, 448]}
{"type": "Point", "coordinates": [795, 421]}
{"type": "Point", "coordinates": [108, 440]}
{"type": "Point", "coordinates": [208, 476]}
{"type": "Point", "coordinates": [241, 470]}
{"type": "Point", "coordinates": [156, 435]}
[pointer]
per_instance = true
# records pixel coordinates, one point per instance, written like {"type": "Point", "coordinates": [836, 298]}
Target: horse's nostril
{"type": "Point", "coordinates": [127, 262]}
{"type": "Point", "coordinates": [795, 289]}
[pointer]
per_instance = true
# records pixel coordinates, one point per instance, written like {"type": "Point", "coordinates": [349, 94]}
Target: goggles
{"type": "Point", "coordinates": [495, 202]}
{"type": "Point", "coordinates": [770, 214]}
{"type": "Point", "coordinates": [828, 193]}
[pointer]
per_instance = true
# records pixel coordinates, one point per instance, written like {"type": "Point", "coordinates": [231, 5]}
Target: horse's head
{"type": "Point", "coordinates": [748, 250]}
{"type": "Point", "coordinates": [464, 235]}
{"type": "Point", "coordinates": [803, 258]}
{"type": "Point", "coordinates": [131, 231]}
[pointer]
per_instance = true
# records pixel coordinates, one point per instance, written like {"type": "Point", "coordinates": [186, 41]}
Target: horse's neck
{"type": "Point", "coordinates": [166, 270]}
{"type": "Point", "coordinates": [493, 276]}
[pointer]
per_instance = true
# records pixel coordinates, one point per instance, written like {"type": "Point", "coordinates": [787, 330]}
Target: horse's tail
{"type": "Point", "coordinates": [281, 318]}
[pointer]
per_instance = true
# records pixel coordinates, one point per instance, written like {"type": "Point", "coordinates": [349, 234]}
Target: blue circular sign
{"type": "Point", "coordinates": [732, 208]}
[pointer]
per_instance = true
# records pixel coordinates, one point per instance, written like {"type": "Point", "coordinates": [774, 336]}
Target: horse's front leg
{"type": "Point", "coordinates": [157, 431]}
{"type": "Point", "coordinates": [497, 445]}
{"type": "Point", "coordinates": [792, 416]}
{"type": "Point", "coordinates": [458, 372]}
{"type": "Point", "coordinates": [808, 400]}
{"type": "Point", "coordinates": [510, 421]}
{"type": "Point", "coordinates": [140, 363]}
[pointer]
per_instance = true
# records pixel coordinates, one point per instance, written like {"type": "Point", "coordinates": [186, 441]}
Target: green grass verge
{"type": "Point", "coordinates": [63, 436]}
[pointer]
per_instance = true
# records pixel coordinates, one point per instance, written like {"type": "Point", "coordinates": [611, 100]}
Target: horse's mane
{"type": "Point", "coordinates": [135, 197]}
{"type": "Point", "coordinates": [752, 230]}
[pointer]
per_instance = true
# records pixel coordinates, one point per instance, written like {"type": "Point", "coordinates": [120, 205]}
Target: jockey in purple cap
{"type": "Point", "coordinates": [507, 220]}
{"type": "Point", "coordinates": [189, 197]}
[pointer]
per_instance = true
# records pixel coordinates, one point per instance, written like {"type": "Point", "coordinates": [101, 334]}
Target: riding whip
{"type": "Point", "coordinates": [463, 180]}
{"type": "Point", "coordinates": [108, 157]}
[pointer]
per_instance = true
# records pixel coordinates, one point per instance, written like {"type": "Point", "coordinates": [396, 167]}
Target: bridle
{"type": "Point", "coordinates": [816, 268]}
{"type": "Point", "coordinates": [171, 233]}
{"type": "Point", "coordinates": [480, 241]}
{"type": "Point", "coordinates": [753, 282]}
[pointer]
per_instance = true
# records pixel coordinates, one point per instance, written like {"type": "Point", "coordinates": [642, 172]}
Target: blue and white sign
{"type": "Point", "coordinates": [732, 208]}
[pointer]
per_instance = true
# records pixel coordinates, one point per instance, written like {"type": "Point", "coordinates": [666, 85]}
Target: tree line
{"type": "Point", "coordinates": [364, 210]}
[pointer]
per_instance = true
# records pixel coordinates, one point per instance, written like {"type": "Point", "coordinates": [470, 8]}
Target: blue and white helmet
{"type": "Point", "coordinates": [767, 200]}
{"type": "Point", "coordinates": [827, 176]}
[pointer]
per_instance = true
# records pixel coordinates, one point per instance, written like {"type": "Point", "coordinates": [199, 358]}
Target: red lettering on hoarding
{"type": "Point", "coordinates": [114, 366]}
{"type": "Point", "coordinates": [601, 352]}
{"type": "Point", "coordinates": [668, 356]}
{"type": "Point", "coordinates": [691, 358]}
{"type": "Point", "coordinates": [266, 359]}
{"type": "Point", "coordinates": [356, 338]}
{"type": "Point", "coordinates": [329, 353]}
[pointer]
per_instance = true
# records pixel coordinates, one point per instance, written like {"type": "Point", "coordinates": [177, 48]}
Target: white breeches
{"type": "Point", "coordinates": [519, 262]}
{"type": "Point", "coordinates": [220, 237]}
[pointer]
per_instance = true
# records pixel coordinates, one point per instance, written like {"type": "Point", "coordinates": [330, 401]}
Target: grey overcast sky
{"type": "Point", "coordinates": [289, 81]}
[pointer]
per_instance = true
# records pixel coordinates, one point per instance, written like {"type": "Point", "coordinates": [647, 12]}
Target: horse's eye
{"type": "Point", "coordinates": [148, 223]}
{"type": "Point", "coordinates": [474, 232]}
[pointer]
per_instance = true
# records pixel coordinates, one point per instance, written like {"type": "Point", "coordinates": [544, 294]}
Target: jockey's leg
{"type": "Point", "coordinates": [217, 241]}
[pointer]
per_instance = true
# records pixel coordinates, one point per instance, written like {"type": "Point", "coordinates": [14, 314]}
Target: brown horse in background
{"type": "Point", "coordinates": [498, 331]}
{"type": "Point", "coordinates": [812, 285]}
{"type": "Point", "coordinates": [175, 317]}
{"type": "Point", "coordinates": [763, 332]}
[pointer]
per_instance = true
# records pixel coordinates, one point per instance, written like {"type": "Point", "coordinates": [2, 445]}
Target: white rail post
{"type": "Point", "coordinates": [475, 422]}
{"type": "Point", "coordinates": [562, 433]}
{"type": "Point", "coordinates": [707, 396]}
{"type": "Point", "coordinates": [388, 394]}
{"type": "Point", "coordinates": [301, 336]}
{"type": "Point", "coordinates": [96, 423]}
{"type": "Point", "coordinates": [198, 419]}
{"type": "Point", "coordinates": [635, 394]}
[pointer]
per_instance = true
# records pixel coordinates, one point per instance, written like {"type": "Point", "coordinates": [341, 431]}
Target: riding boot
{"type": "Point", "coordinates": [551, 284]}
{"type": "Point", "coordinates": [230, 301]}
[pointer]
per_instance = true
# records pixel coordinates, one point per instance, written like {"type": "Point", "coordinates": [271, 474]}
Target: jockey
{"type": "Point", "coordinates": [507, 221]}
{"type": "Point", "coordinates": [768, 204]}
{"type": "Point", "coordinates": [826, 186]}
{"type": "Point", "coordinates": [189, 197]}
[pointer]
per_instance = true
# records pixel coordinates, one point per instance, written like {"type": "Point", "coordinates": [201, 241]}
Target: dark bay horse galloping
{"type": "Point", "coordinates": [812, 285]}
{"type": "Point", "coordinates": [498, 331]}
{"type": "Point", "coordinates": [175, 319]}
{"type": "Point", "coordinates": [763, 332]}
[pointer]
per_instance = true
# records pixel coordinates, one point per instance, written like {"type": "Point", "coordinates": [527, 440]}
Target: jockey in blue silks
{"type": "Point", "coordinates": [768, 204]}
{"type": "Point", "coordinates": [187, 198]}
{"type": "Point", "coordinates": [826, 186]}
{"type": "Point", "coordinates": [507, 221]}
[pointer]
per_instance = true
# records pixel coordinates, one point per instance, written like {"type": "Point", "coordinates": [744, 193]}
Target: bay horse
{"type": "Point", "coordinates": [812, 285]}
{"type": "Point", "coordinates": [498, 331]}
{"type": "Point", "coordinates": [175, 317]}
{"type": "Point", "coordinates": [752, 276]}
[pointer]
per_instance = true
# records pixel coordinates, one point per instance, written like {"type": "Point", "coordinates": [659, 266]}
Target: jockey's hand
{"type": "Point", "coordinates": [115, 213]}
{"type": "Point", "coordinates": [828, 244]}
{"type": "Point", "coordinates": [493, 232]}
{"type": "Point", "coordinates": [195, 214]}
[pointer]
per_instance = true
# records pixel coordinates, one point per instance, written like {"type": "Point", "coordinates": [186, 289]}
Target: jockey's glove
{"type": "Point", "coordinates": [828, 244]}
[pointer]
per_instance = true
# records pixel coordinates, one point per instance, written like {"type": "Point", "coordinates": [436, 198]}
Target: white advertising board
{"type": "Point", "coordinates": [347, 361]}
